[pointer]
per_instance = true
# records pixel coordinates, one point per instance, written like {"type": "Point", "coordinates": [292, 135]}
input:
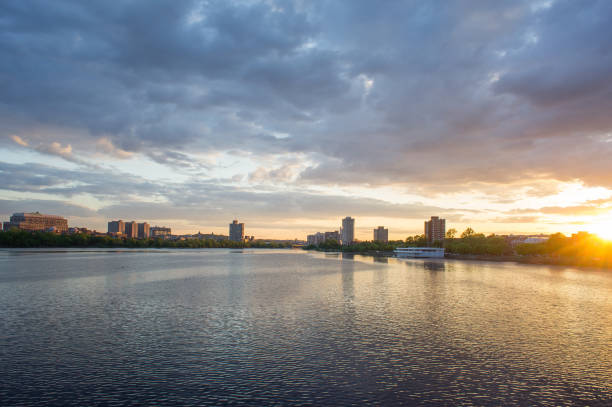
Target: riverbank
{"type": "Point", "coordinates": [514, 258]}
{"type": "Point", "coordinates": [25, 239]}
{"type": "Point", "coordinates": [486, 257]}
{"type": "Point", "coordinates": [535, 259]}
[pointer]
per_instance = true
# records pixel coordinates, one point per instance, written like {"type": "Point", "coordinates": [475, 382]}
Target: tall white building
{"type": "Point", "coordinates": [348, 230]}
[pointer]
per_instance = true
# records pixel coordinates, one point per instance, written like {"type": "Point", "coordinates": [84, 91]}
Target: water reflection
{"type": "Point", "coordinates": [218, 327]}
{"type": "Point", "coordinates": [348, 256]}
{"type": "Point", "coordinates": [348, 277]}
{"type": "Point", "coordinates": [332, 254]}
{"type": "Point", "coordinates": [434, 265]}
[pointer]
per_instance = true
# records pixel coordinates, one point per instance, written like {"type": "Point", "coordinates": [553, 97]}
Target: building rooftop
{"type": "Point", "coordinates": [37, 214]}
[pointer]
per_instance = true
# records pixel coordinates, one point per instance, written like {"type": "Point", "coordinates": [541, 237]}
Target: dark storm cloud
{"type": "Point", "coordinates": [423, 92]}
{"type": "Point", "coordinates": [125, 68]}
{"type": "Point", "coordinates": [496, 92]}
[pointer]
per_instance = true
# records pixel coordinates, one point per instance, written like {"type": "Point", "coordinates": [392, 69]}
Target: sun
{"type": "Point", "coordinates": [602, 228]}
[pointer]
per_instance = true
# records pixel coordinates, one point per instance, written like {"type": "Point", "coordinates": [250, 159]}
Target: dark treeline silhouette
{"type": "Point", "coordinates": [579, 249]}
{"type": "Point", "coordinates": [478, 244]}
{"type": "Point", "coordinates": [357, 247]}
{"type": "Point", "coordinates": [582, 249]}
{"type": "Point", "coordinates": [24, 239]}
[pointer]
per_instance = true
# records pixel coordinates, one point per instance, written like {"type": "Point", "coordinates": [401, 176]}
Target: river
{"type": "Point", "coordinates": [288, 327]}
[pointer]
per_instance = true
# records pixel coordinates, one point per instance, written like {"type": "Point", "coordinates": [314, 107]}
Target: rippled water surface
{"type": "Point", "coordinates": [288, 327]}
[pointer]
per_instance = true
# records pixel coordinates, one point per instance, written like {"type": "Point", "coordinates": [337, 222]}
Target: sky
{"type": "Point", "coordinates": [290, 115]}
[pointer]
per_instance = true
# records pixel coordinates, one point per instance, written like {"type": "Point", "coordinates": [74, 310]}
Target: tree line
{"type": "Point", "coordinates": [468, 243]}
{"type": "Point", "coordinates": [25, 239]}
{"type": "Point", "coordinates": [581, 248]}
{"type": "Point", "coordinates": [357, 247]}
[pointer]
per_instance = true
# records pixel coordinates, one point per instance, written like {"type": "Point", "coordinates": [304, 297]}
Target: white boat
{"type": "Point", "coordinates": [420, 252]}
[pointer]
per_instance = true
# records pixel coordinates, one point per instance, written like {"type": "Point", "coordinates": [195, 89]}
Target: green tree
{"type": "Point", "coordinates": [467, 233]}
{"type": "Point", "coordinates": [451, 233]}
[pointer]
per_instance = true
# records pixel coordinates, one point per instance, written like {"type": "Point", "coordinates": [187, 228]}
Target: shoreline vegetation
{"type": "Point", "coordinates": [25, 239]}
{"type": "Point", "coordinates": [579, 250]}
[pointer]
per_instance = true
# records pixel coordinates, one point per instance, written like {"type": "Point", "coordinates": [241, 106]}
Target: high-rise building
{"type": "Point", "coordinates": [131, 229]}
{"type": "Point", "coordinates": [435, 229]}
{"type": "Point", "coordinates": [36, 222]}
{"type": "Point", "coordinates": [348, 231]}
{"type": "Point", "coordinates": [236, 231]}
{"type": "Point", "coordinates": [381, 234]}
{"type": "Point", "coordinates": [116, 227]}
{"type": "Point", "coordinates": [143, 230]}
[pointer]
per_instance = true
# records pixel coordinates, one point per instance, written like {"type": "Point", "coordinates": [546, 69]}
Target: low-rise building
{"type": "Point", "coordinates": [335, 235]}
{"type": "Point", "coordinates": [83, 231]}
{"type": "Point", "coordinates": [515, 240]}
{"type": "Point", "coordinates": [160, 231]}
{"type": "Point", "coordinates": [209, 236]}
{"type": "Point", "coordinates": [322, 237]}
{"type": "Point", "coordinates": [36, 222]}
{"type": "Point", "coordinates": [315, 239]}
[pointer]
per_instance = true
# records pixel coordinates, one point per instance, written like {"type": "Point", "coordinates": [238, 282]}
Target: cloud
{"type": "Point", "coordinates": [179, 161]}
{"type": "Point", "coordinates": [593, 207]}
{"type": "Point", "coordinates": [19, 140]}
{"type": "Point", "coordinates": [518, 219]}
{"type": "Point", "coordinates": [284, 173]}
{"type": "Point", "coordinates": [56, 207]}
{"type": "Point", "coordinates": [56, 148]}
{"type": "Point", "coordinates": [204, 200]}
{"type": "Point", "coordinates": [106, 146]}
{"type": "Point", "coordinates": [67, 183]}
{"type": "Point", "coordinates": [574, 210]}
{"type": "Point", "coordinates": [430, 97]}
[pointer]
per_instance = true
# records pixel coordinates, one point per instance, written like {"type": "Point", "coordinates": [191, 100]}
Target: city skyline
{"type": "Point", "coordinates": [289, 115]}
{"type": "Point", "coordinates": [36, 221]}
{"type": "Point", "coordinates": [120, 226]}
